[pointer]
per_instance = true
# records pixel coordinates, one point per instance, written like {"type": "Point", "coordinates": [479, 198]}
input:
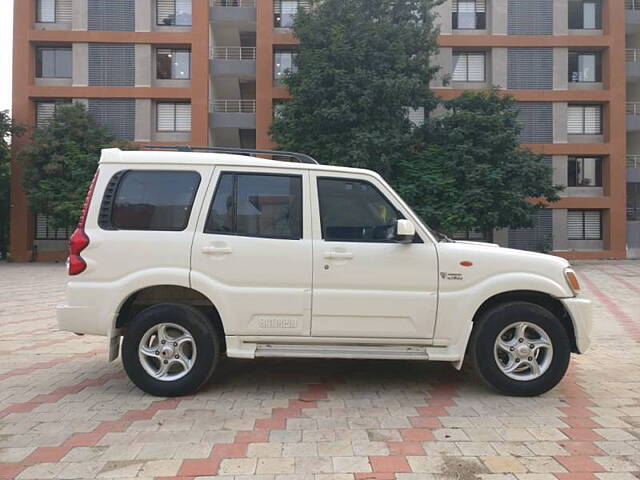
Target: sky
{"type": "Point", "coordinates": [6, 49]}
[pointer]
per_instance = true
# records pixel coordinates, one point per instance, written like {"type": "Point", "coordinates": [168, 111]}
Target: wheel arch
{"type": "Point", "coordinates": [544, 300]}
{"type": "Point", "coordinates": [167, 293]}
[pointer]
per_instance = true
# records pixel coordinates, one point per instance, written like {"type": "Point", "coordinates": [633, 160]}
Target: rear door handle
{"type": "Point", "coordinates": [211, 250]}
{"type": "Point", "coordinates": [338, 255]}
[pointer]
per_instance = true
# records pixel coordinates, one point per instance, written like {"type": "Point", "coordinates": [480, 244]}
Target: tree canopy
{"type": "Point", "coordinates": [360, 64]}
{"type": "Point", "coordinates": [60, 162]}
{"type": "Point", "coordinates": [470, 170]}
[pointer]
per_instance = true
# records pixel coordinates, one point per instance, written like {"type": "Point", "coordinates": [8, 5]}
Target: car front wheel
{"type": "Point", "coordinates": [520, 349]}
{"type": "Point", "coordinates": [170, 350]}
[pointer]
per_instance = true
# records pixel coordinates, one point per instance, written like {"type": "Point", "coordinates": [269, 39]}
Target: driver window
{"type": "Point", "coordinates": [355, 211]}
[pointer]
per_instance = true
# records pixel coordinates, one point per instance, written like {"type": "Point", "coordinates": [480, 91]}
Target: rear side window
{"type": "Point", "coordinates": [257, 205]}
{"type": "Point", "coordinates": [151, 200]}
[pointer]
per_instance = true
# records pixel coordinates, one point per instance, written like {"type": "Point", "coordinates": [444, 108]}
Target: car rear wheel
{"type": "Point", "coordinates": [170, 350]}
{"type": "Point", "coordinates": [520, 349]}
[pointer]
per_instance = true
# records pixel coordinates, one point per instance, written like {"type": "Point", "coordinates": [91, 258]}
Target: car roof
{"type": "Point", "coordinates": [115, 155]}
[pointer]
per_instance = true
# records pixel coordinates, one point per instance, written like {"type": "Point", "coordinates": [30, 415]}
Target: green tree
{"type": "Point", "coordinates": [8, 130]}
{"type": "Point", "coordinates": [360, 64]}
{"type": "Point", "coordinates": [60, 162]}
{"type": "Point", "coordinates": [471, 171]}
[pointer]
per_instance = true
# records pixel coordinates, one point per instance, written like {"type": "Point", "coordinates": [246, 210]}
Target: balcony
{"type": "Point", "coordinates": [633, 15]}
{"type": "Point", "coordinates": [233, 61]}
{"type": "Point", "coordinates": [233, 11]}
{"type": "Point", "coordinates": [633, 168]}
{"type": "Point", "coordinates": [633, 116]}
{"type": "Point", "coordinates": [233, 114]}
{"type": "Point", "coordinates": [632, 56]}
{"type": "Point", "coordinates": [284, 13]}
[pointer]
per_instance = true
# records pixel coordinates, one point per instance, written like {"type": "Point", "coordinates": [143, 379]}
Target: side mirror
{"type": "Point", "coordinates": [405, 231]}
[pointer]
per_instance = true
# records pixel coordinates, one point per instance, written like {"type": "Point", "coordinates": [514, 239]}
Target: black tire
{"type": "Point", "coordinates": [493, 322]}
{"type": "Point", "coordinates": [205, 336]}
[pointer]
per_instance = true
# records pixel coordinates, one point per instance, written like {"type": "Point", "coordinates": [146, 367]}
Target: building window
{"type": "Point", "coordinates": [284, 12]}
{"type": "Point", "coordinates": [173, 64]}
{"type": "Point", "coordinates": [173, 116]}
{"type": "Point", "coordinates": [469, 15]}
{"type": "Point", "coordinates": [585, 120]}
{"type": "Point", "coordinates": [584, 172]}
{"type": "Point", "coordinates": [247, 138]}
{"type": "Point", "coordinates": [44, 230]}
{"type": "Point", "coordinates": [585, 14]}
{"type": "Point", "coordinates": [284, 62]}
{"type": "Point", "coordinates": [633, 201]}
{"type": "Point", "coordinates": [278, 106]}
{"type": "Point", "coordinates": [173, 12]}
{"type": "Point", "coordinates": [53, 62]}
{"type": "Point", "coordinates": [54, 11]}
{"type": "Point", "coordinates": [46, 110]}
{"type": "Point", "coordinates": [468, 67]}
{"type": "Point", "coordinates": [45, 11]}
{"type": "Point", "coordinates": [585, 67]}
{"type": "Point", "coordinates": [416, 116]}
{"type": "Point", "coordinates": [475, 234]}
{"type": "Point", "coordinates": [584, 224]}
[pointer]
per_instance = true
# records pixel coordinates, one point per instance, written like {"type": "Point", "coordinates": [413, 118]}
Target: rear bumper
{"type": "Point", "coordinates": [79, 320]}
{"type": "Point", "coordinates": [580, 311]}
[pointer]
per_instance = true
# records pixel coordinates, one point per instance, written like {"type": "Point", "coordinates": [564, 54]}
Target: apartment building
{"type": "Point", "coordinates": [208, 72]}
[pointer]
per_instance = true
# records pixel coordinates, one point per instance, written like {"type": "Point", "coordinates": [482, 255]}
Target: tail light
{"type": "Point", "coordinates": [79, 239]}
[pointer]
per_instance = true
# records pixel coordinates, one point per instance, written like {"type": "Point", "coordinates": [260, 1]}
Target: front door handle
{"type": "Point", "coordinates": [212, 250]}
{"type": "Point", "coordinates": [338, 255]}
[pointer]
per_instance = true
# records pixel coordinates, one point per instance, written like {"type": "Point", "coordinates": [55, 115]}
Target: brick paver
{"type": "Point", "coordinates": [66, 413]}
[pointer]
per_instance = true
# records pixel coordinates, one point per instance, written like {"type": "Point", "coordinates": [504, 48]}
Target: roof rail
{"type": "Point", "coordinates": [300, 157]}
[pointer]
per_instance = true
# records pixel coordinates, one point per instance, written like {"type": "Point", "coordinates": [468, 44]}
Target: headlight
{"type": "Point", "coordinates": [572, 280]}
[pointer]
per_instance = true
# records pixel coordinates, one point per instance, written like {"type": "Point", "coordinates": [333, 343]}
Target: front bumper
{"type": "Point", "coordinates": [580, 312]}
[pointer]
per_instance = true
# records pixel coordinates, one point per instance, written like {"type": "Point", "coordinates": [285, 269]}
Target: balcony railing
{"type": "Point", "coordinates": [633, 161]}
{"type": "Point", "coordinates": [234, 3]}
{"type": "Point", "coordinates": [284, 15]}
{"type": "Point", "coordinates": [234, 106]}
{"type": "Point", "coordinates": [632, 54]}
{"type": "Point", "coordinates": [233, 53]}
{"type": "Point", "coordinates": [633, 108]}
{"type": "Point", "coordinates": [632, 4]}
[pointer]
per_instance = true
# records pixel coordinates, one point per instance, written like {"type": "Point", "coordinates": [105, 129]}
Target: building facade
{"type": "Point", "coordinates": [208, 72]}
{"type": "Point", "coordinates": [632, 54]}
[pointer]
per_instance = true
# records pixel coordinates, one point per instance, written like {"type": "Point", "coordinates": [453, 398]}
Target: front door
{"type": "Point", "coordinates": [251, 253]}
{"type": "Point", "coordinates": [365, 284]}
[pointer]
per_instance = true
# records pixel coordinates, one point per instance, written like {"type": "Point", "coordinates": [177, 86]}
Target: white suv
{"type": "Point", "coordinates": [190, 255]}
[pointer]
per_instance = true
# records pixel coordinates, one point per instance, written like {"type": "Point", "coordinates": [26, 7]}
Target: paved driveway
{"type": "Point", "coordinates": [66, 413]}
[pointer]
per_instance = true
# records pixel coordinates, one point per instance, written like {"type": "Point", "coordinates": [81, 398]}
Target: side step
{"type": "Point", "coordinates": [391, 352]}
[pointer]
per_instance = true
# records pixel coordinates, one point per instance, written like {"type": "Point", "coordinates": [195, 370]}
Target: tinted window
{"type": "Point", "coordinates": [257, 206]}
{"type": "Point", "coordinates": [154, 200]}
{"type": "Point", "coordinates": [355, 211]}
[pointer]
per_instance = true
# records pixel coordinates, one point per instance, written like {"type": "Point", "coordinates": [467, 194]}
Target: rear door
{"type": "Point", "coordinates": [252, 251]}
{"type": "Point", "coordinates": [146, 222]}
